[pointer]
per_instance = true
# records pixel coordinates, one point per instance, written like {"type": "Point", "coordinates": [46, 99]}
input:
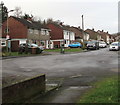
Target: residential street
{"type": "Point", "coordinates": [74, 71]}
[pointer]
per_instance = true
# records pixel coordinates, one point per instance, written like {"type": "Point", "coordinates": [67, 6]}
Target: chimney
{"type": "Point", "coordinates": [107, 32]}
{"type": "Point", "coordinates": [93, 29]}
{"type": "Point", "coordinates": [102, 30]}
{"type": "Point", "coordinates": [29, 19]}
{"type": "Point", "coordinates": [61, 23]}
{"type": "Point", "coordinates": [98, 31]}
{"type": "Point", "coordinates": [78, 27]}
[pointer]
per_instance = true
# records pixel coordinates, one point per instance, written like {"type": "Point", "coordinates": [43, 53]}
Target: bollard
{"type": "Point", "coordinates": [62, 49]}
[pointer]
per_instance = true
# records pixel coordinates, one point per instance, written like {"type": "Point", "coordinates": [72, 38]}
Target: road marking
{"type": "Point", "coordinates": [115, 70]}
{"type": "Point", "coordinates": [79, 87]}
{"type": "Point", "coordinates": [53, 84]}
{"type": "Point", "coordinates": [75, 76]}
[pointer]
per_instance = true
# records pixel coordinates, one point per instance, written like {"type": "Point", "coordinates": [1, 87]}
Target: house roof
{"type": "Point", "coordinates": [30, 24]}
{"type": "Point", "coordinates": [63, 27]}
{"type": "Point", "coordinates": [104, 34]}
{"type": "Point", "coordinates": [78, 31]}
{"type": "Point", "coordinates": [93, 34]}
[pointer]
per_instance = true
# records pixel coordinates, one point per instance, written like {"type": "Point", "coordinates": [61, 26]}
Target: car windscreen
{"type": "Point", "coordinates": [114, 44]}
{"type": "Point", "coordinates": [34, 45]}
{"type": "Point", "coordinates": [102, 42]}
{"type": "Point", "coordinates": [90, 42]}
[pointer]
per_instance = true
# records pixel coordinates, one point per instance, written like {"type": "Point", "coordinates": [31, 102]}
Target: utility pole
{"type": "Point", "coordinates": [83, 31]}
{"type": "Point", "coordinates": [8, 41]}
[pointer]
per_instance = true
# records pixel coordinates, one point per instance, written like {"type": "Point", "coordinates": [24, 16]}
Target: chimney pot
{"type": "Point", "coordinates": [29, 19]}
{"type": "Point", "coordinates": [79, 27]}
{"type": "Point", "coordinates": [61, 23]}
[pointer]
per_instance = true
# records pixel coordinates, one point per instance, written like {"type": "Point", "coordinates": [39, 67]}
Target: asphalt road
{"type": "Point", "coordinates": [76, 71]}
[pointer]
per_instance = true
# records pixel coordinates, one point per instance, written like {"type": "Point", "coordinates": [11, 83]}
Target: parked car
{"type": "Point", "coordinates": [92, 45]}
{"type": "Point", "coordinates": [30, 46]}
{"type": "Point", "coordinates": [114, 46]}
{"type": "Point", "coordinates": [102, 44]}
{"type": "Point", "coordinates": [75, 45]}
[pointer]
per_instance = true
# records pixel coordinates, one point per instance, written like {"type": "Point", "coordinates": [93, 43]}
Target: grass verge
{"type": "Point", "coordinates": [105, 91]}
{"type": "Point", "coordinates": [13, 54]}
{"type": "Point", "coordinates": [66, 50]}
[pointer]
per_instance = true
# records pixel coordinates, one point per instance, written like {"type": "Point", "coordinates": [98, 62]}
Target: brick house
{"type": "Point", "coordinates": [105, 36]}
{"type": "Point", "coordinates": [23, 30]}
{"type": "Point", "coordinates": [112, 38]}
{"type": "Point", "coordinates": [60, 34]}
{"type": "Point", "coordinates": [116, 36]}
{"type": "Point", "coordinates": [93, 34]}
{"type": "Point", "coordinates": [80, 35]}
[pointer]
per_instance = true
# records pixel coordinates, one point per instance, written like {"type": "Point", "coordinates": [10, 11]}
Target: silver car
{"type": "Point", "coordinates": [102, 44]}
{"type": "Point", "coordinates": [114, 46]}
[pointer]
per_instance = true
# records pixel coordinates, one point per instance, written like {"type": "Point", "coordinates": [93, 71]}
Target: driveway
{"type": "Point", "coordinates": [75, 71]}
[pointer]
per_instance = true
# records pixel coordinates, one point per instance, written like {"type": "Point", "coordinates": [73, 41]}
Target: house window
{"type": "Point", "coordinates": [65, 41]}
{"type": "Point", "coordinates": [31, 31]}
{"type": "Point", "coordinates": [7, 30]}
{"type": "Point", "coordinates": [42, 32]}
{"type": "Point", "coordinates": [47, 32]}
{"type": "Point", "coordinates": [64, 32]}
{"type": "Point", "coordinates": [36, 32]}
{"type": "Point", "coordinates": [67, 33]}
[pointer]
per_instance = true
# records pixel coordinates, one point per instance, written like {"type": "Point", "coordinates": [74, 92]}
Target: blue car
{"type": "Point", "coordinates": [75, 45]}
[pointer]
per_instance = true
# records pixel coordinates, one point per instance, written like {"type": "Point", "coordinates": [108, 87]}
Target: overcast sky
{"type": "Point", "coordinates": [98, 14]}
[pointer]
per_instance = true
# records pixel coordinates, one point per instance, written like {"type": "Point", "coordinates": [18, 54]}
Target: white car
{"type": "Point", "coordinates": [114, 46]}
{"type": "Point", "coordinates": [102, 44]}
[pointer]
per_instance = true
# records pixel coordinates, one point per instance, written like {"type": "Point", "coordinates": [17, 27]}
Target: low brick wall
{"type": "Point", "coordinates": [19, 92]}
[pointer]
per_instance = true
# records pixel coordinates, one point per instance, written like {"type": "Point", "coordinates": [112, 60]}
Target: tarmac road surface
{"type": "Point", "coordinates": [76, 71]}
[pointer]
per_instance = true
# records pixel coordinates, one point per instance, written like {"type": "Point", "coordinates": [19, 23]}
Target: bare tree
{"type": "Point", "coordinates": [18, 12]}
{"type": "Point", "coordinates": [3, 12]}
{"type": "Point", "coordinates": [50, 20]}
{"type": "Point", "coordinates": [39, 20]}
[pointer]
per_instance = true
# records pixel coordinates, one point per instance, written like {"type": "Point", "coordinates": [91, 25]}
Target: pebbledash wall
{"type": "Point", "coordinates": [19, 92]}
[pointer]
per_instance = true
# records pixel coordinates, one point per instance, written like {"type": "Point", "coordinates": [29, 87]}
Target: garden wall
{"type": "Point", "coordinates": [19, 92]}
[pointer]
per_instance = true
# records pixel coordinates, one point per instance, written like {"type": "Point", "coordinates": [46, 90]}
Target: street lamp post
{"type": "Point", "coordinates": [83, 31]}
{"type": "Point", "coordinates": [7, 36]}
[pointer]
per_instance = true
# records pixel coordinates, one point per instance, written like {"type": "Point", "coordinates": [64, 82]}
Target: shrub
{"type": "Point", "coordinates": [4, 49]}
